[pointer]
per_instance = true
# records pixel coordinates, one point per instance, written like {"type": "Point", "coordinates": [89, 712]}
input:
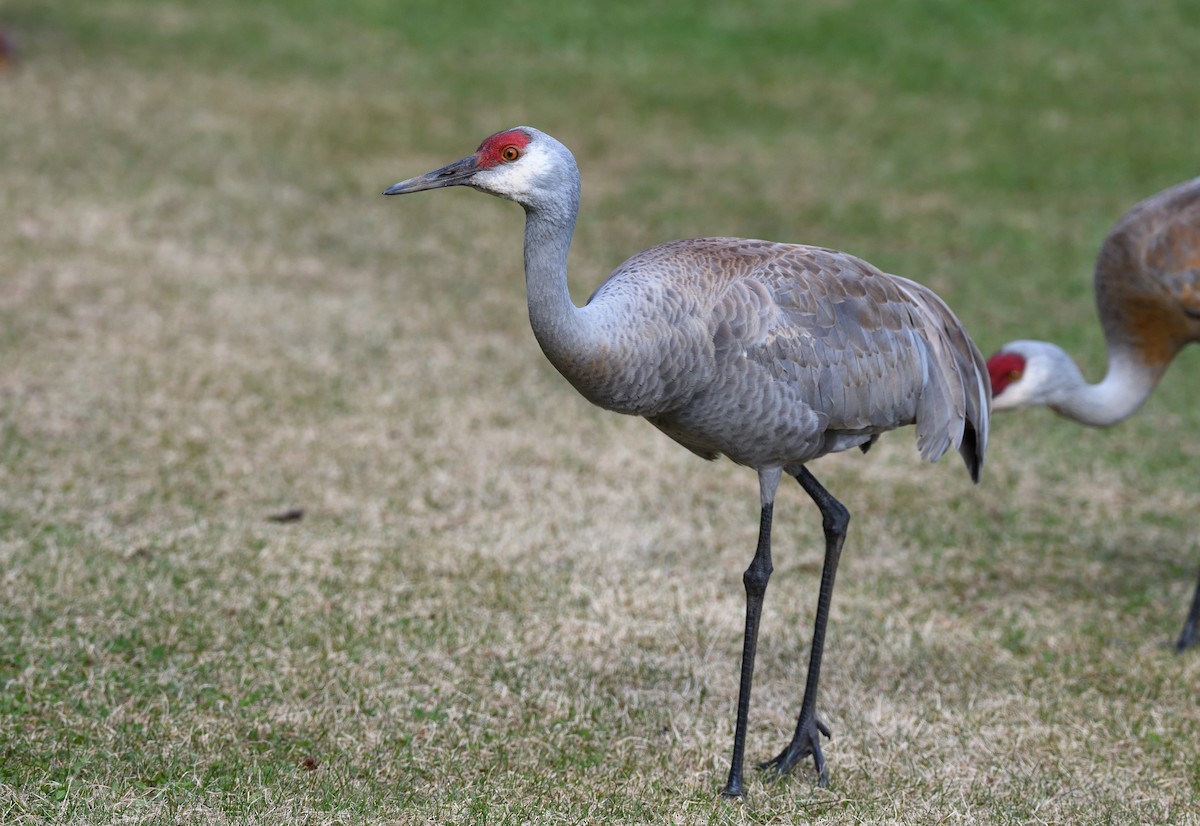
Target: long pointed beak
{"type": "Point", "coordinates": [455, 174]}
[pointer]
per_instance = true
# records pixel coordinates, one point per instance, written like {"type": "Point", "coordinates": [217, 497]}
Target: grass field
{"type": "Point", "coordinates": [502, 605]}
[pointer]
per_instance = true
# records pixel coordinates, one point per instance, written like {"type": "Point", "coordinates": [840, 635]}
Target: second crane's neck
{"type": "Point", "coordinates": [1126, 385]}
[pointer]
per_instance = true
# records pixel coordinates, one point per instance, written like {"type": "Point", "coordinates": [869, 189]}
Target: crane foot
{"type": "Point", "coordinates": [806, 742]}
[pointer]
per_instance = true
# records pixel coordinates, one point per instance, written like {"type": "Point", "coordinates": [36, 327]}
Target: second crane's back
{"type": "Point", "coordinates": [1147, 280]}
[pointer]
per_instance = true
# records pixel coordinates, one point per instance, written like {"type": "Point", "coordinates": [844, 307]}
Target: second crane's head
{"type": "Point", "coordinates": [1030, 373]}
{"type": "Point", "coordinates": [521, 164]}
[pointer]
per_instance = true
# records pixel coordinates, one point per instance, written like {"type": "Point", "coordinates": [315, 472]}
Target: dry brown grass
{"type": "Point", "coordinates": [503, 605]}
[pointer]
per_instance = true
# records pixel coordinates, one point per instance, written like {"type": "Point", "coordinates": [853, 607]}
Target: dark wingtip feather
{"type": "Point", "coordinates": [971, 453]}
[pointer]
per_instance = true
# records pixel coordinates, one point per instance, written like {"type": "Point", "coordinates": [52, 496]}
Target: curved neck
{"type": "Point", "coordinates": [1125, 386]}
{"type": "Point", "coordinates": [556, 321]}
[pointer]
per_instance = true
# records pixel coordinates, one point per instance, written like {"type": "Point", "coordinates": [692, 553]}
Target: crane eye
{"type": "Point", "coordinates": [509, 153]}
{"type": "Point", "coordinates": [1014, 375]}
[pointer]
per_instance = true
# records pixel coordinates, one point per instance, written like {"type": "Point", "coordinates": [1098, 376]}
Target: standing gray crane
{"type": "Point", "coordinates": [1147, 284]}
{"type": "Point", "coordinates": [770, 354]}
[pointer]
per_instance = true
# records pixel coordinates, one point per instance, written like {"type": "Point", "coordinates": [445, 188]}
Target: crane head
{"type": "Point", "coordinates": [1004, 368]}
{"type": "Point", "coordinates": [520, 164]}
{"type": "Point", "coordinates": [1031, 373]}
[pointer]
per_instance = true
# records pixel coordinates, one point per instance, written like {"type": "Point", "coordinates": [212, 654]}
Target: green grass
{"type": "Point", "coordinates": [503, 605]}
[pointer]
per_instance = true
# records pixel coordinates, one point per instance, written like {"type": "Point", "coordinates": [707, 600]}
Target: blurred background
{"type": "Point", "coordinates": [479, 598]}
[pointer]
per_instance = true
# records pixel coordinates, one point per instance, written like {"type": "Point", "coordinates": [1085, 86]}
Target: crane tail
{"type": "Point", "coordinates": [956, 401]}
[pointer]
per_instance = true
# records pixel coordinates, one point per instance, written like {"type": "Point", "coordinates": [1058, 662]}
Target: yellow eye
{"type": "Point", "coordinates": [1013, 375]}
{"type": "Point", "coordinates": [509, 153]}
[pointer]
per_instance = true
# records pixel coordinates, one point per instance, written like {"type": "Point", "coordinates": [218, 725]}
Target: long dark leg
{"type": "Point", "coordinates": [755, 579]}
{"type": "Point", "coordinates": [806, 741]}
{"type": "Point", "coordinates": [1188, 638]}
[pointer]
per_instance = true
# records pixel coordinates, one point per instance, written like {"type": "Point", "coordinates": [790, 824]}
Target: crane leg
{"type": "Point", "coordinates": [806, 741]}
{"type": "Point", "coordinates": [755, 579]}
{"type": "Point", "coordinates": [1188, 637]}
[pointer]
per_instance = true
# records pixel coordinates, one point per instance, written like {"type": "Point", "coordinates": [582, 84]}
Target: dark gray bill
{"type": "Point", "coordinates": [457, 173]}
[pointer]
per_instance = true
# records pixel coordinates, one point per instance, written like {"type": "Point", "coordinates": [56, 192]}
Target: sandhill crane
{"type": "Point", "coordinates": [1147, 284]}
{"type": "Point", "coordinates": [770, 354]}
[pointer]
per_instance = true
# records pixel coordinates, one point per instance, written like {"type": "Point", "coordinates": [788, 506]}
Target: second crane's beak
{"type": "Point", "coordinates": [457, 173]}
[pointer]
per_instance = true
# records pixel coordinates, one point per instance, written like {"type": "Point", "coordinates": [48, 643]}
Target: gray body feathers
{"type": "Point", "coordinates": [777, 354]}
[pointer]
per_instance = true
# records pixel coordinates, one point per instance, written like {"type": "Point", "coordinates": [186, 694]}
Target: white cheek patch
{"type": "Point", "coordinates": [1039, 384]}
{"type": "Point", "coordinates": [517, 180]}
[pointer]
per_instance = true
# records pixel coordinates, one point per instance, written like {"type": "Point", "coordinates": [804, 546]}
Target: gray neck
{"type": "Point", "coordinates": [1126, 385]}
{"type": "Point", "coordinates": [557, 323]}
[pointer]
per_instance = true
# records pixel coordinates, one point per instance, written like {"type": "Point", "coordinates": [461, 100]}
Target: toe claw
{"type": "Point", "coordinates": [805, 743]}
{"type": "Point", "coordinates": [824, 729]}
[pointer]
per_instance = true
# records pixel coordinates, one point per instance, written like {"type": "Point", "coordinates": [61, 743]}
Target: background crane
{"type": "Point", "coordinates": [1147, 285]}
{"type": "Point", "coordinates": [770, 354]}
